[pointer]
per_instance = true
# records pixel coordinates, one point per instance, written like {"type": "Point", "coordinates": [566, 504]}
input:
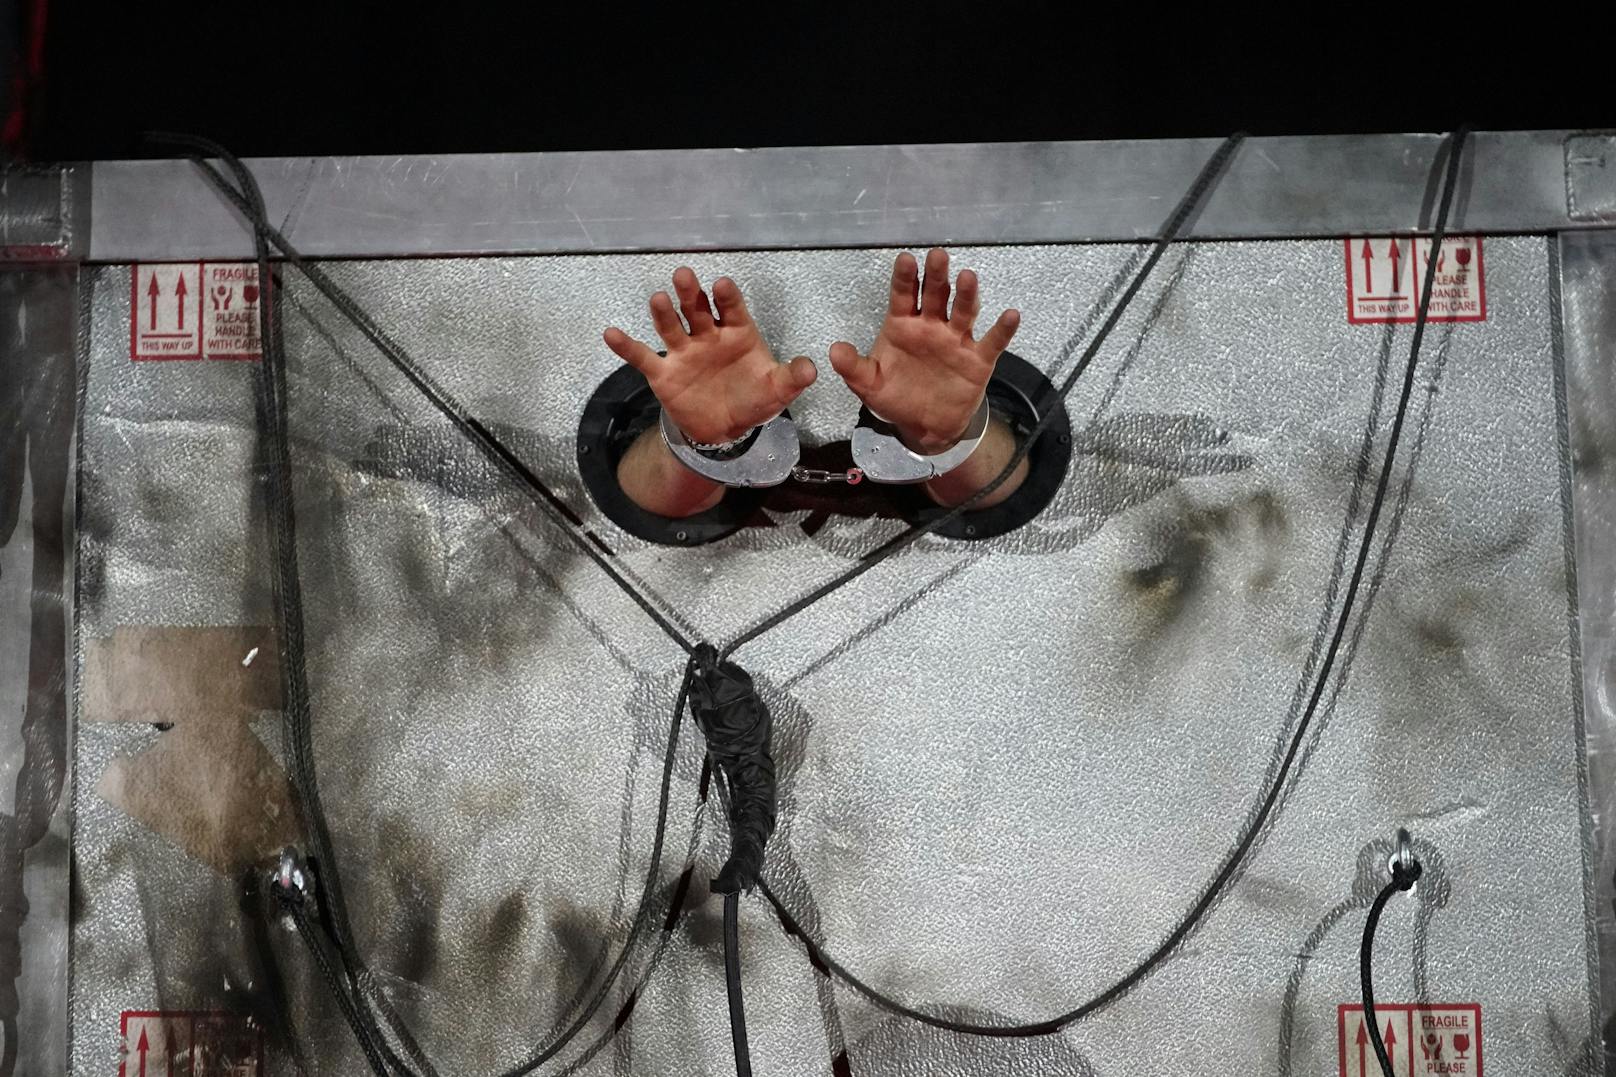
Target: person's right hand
{"type": "Point", "coordinates": [719, 379]}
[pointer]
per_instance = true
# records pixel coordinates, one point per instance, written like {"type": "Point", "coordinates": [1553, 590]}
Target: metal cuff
{"type": "Point", "coordinates": [767, 461]}
{"type": "Point", "coordinates": [883, 458]}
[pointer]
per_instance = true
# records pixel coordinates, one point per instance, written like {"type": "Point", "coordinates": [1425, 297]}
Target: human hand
{"type": "Point", "coordinates": [719, 378]}
{"type": "Point", "coordinates": [926, 373]}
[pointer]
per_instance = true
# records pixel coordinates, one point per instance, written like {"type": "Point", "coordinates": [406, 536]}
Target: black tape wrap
{"type": "Point", "coordinates": [737, 727]}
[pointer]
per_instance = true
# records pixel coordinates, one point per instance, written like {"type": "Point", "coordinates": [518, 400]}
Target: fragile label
{"type": "Point", "coordinates": [202, 310]}
{"type": "Point", "coordinates": [1422, 1040]}
{"type": "Point", "coordinates": [1386, 279]}
{"type": "Point", "coordinates": [190, 1043]}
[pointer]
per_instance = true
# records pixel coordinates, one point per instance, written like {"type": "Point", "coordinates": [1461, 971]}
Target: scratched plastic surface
{"type": "Point", "coordinates": [38, 314]}
{"type": "Point", "coordinates": [1008, 768]}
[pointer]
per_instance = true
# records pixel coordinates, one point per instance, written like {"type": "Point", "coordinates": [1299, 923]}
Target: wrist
{"type": "Point", "coordinates": [928, 442]}
{"type": "Point", "coordinates": [764, 456]}
{"type": "Point", "coordinates": [721, 449]}
{"type": "Point", "coordinates": [883, 454]}
{"type": "Point", "coordinates": [924, 443]}
{"type": "Point", "coordinates": [658, 483]}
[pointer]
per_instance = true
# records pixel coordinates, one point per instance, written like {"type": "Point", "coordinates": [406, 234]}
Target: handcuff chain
{"type": "Point", "coordinates": [852, 476]}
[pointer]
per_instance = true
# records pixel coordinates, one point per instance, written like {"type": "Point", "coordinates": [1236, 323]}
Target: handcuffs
{"type": "Point", "coordinates": [767, 455]}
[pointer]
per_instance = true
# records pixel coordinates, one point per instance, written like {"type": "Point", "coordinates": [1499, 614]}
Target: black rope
{"type": "Point", "coordinates": [503, 458]}
{"type": "Point", "coordinates": [737, 728]}
{"type": "Point", "coordinates": [1259, 820]}
{"type": "Point", "coordinates": [271, 400]}
{"type": "Point", "coordinates": [732, 981]}
{"type": "Point", "coordinates": [1404, 876]}
{"type": "Point", "coordinates": [745, 824]}
{"type": "Point", "coordinates": [271, 406]}
{"type": "Point", "coordinates": [642, 913]}
{"type": "Point", "coordinates": [740, 743]}
{"type": "Point", "coordinates": [363, 1033]}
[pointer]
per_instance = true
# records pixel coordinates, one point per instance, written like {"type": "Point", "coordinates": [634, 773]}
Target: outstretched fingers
{"type": "Point", "coordinates": [731, 307]}
{"type": "Point", "coordinates": [934, 292]}
{"type": "Point", "coordinates": [665, 320]}
{"type": "Point", "coordinates": [904, 299]}
{"type": "Point", "coordinates": [967, 302]}
{"type": "Point", "coordinates": [693, 301]}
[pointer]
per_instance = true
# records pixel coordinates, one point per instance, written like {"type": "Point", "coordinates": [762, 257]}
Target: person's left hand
{"type": "Point", "coordinates": [926, 373]}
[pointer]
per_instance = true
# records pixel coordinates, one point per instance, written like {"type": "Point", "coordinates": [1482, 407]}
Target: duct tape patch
{"type": "Point", "coordinates": [190, 1043]}
{"type": "Point", "coordinates": [1385, 276]}
{"type": "Point", "coordinates": [198, 310]}
{"type": "Point", "coordinates": [1422, 1040]}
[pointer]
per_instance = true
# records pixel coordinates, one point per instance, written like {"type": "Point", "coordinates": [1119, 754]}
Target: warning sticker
{"type": "Point", "coordinates": [1422, 1040]}
{"type": "Point", "coordinates": [1385, 276]}
{"type": "Point", "coordinates": [231, 315]}
{"type": "Point", "coordinates": [190, 1043]}
{"type": "Point", "coordinates": [165, 312]}
{"type": "Point", "coordinates": [205, 310]}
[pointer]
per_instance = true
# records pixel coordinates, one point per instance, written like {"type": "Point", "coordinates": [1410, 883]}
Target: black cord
{"type": "Point", "coordinates": [271, 406]}
{"type": "Point", "coordinates": [641, 915]}
{"type": "Point", "coordinates": [732, 981]}
{"type": "Point", "coordinates": [250, 204]}
{"type": "Point", "coordinates": [1175, 223]}
{"type": "Point", "coordinates": [1243, 846]}
{"type": "Point", "coordinates": [274, 425]}
{"type": "Point", "coordinates": [364, 1034]}
{"type": "Point", "coordinates": [1403, 878]}
{"type": "Point", "coordinates": [503, 458]}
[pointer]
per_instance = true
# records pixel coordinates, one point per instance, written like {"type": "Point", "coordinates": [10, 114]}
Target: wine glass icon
{"type": "Point", "coordinates": [1461, 1043]}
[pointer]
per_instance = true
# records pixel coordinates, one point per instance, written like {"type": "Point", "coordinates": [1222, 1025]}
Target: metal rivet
{"type": "Point", "coordinates": [583, 450]}
{"type": "Point", "coordinates": [970, 529]}
{"type": "Point", "coordinates": [680, 535]}
{"type": "Point", "coordinates": [1402, 853]}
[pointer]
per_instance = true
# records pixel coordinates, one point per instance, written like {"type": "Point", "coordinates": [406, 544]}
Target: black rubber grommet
{"type": "Point", "coordinates": [1020, 395]}
{"type": "Point", "coordinates": [619, 409]}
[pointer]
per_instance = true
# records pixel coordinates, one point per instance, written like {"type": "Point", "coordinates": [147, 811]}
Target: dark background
{"type": "Point", "coordinates": [297, 78]}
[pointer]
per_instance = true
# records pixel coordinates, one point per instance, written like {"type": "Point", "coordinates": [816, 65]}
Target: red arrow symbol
{"type": "Point", "coordinates": [153, 292]}
{"type": "Point", "coordinates": [179, 299]}
{"type": "Point", "coordinates": [1363, 1029]}
{"type": "Point", "coordinates": [1368, 257]}
{"type": "Point", "coordinates": [1396, 267]}
{"type": "Point", "coordinates": [1391, 1044]}
{"type": "Point", "coordinates": [141, 1047]}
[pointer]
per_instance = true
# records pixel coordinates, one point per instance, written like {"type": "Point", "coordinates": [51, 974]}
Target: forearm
{"type": "Point", "coordinates": [980, 468]}
{"type": "Point", "coordinates": [657, 482]}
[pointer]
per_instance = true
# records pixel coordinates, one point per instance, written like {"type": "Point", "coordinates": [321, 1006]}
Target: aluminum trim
{"type": "Point", "coordinates": [832, 196]}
